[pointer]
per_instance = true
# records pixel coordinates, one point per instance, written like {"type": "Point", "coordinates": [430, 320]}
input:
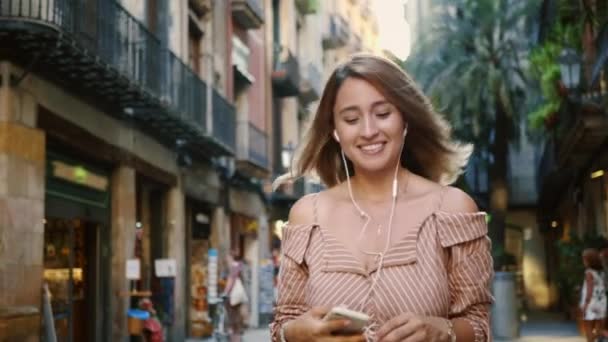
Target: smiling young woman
{"type": "Point", "coordinates": [389, 237]}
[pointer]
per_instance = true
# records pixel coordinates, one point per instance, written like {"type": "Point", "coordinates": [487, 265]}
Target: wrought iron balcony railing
{"type": "Point", "coordinates": [252, 149]}
{"type": "Point", "coordinates": [551, 179]}
{"type": "Point", "coordinates": [224, 120]}
{"type": "Point", "coordinates": [258, 146]}
{"type": "Point", "coordinates": [99, 50]}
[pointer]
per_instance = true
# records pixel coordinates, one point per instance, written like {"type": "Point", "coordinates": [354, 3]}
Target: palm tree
{"type": "Point", "coordinates": [472, 65]}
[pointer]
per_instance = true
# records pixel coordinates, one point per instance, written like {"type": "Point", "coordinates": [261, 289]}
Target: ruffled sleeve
{"type": "Point", "coordinates": [470, 268]}
{"type": "Point", "coordinates": [293, 277]}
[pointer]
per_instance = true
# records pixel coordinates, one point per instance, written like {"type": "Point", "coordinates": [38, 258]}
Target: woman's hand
{"type": "Point", "coordinates": [311, 327]}
{"type": "Point", "coordinates": [409, 327]}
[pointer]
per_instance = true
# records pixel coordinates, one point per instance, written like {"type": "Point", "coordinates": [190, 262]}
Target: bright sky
{"type": "Point", "coordinates": [394, 32]}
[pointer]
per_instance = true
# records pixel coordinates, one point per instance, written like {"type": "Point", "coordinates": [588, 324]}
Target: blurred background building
{"type": "Point", "coordinates": [138, 139]}
{"type": "Point", "coordinates": [556, 187]}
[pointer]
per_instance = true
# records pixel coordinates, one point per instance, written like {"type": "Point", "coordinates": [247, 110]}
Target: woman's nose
{"type": "Point", "coordinates": [370, 129]}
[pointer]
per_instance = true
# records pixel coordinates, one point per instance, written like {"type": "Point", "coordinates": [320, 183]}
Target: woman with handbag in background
{"type": "Point", "coordinates": [236, 296]}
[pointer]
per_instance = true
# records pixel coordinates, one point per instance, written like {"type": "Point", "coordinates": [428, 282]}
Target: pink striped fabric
{"type": "Point", "coordinates": [444, 268]}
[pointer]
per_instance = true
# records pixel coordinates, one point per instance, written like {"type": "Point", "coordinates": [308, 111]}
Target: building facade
{"type": "Point", "coordinates": [572, 207]}
{"type": "Point", "coordinates": [133, 152]}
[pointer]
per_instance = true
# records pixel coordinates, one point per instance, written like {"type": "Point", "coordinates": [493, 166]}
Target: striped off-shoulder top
{"type": "Point", "coordinates": [443, 268]}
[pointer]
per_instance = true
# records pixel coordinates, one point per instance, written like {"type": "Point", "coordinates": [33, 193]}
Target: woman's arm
{"type": "Point", "coordinates": [293, 273]}
{"type": "Point", "coordinates": [469, 280]}
{"type": "Point", "coordinates": [291, 299]}
{"type": "Point", "coordinates": [470, 267]}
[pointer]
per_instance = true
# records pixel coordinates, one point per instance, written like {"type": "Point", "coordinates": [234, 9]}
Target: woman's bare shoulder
{"type": "Point", "coordinates": [453, 200]}
{"type": "Point", "coordinates": [303, 210]}
{"type": "Point", "coordinates": [456, 200]}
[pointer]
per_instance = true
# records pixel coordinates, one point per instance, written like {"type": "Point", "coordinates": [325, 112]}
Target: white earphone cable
{"type": "Point", "coordinates": [394, 191]}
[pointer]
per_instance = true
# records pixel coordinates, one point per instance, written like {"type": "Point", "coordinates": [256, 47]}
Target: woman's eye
{"type": "Point", "coordinates": [350, 120]}
{"type": "Point", "coordinates": [384, 114]}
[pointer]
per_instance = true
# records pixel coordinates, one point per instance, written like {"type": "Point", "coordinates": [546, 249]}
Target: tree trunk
{"type": "Point", "coordinates": [499, 190]}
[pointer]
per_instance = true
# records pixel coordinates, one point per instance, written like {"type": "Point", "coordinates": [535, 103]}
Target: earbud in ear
{"type": "Point", "coordinates": [336, 136]}
{"type": "Point", "coordinates": [405, 131]}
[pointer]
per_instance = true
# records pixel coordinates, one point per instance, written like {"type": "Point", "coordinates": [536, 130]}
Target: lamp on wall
{"type": "Point", "coordinates": [570, 67]}
{"type": "Point", "coordinates": [287, 155]}
{"type": "Point", "coordinates": [225, 165]}
{"type": "Point", "coordinates": [183, 157]}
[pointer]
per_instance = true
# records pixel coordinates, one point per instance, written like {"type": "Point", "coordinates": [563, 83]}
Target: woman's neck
{"type": "Point", "coordinates": [377, 187]}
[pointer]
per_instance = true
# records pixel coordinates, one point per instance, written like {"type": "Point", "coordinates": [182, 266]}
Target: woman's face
{"type": "Point", "coordinates": [370, 129]}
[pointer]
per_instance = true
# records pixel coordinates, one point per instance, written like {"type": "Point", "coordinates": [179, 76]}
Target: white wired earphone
{"type": "Point", "coordinates": [367, 217]}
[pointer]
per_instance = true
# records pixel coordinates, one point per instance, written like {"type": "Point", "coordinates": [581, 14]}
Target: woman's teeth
{"type": "Point", "coordinates": [373, 148]}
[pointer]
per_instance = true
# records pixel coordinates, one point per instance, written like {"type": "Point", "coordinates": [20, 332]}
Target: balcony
{"type": "Point", "coordinates": [338, 34]}
{"type": "Point", "coordinates": [252, 150]}
{"type": "Point", "coordinates": [240, 62]}
{"type": "Point", "coordinates": [552, 180]}
{"type": "Point", "coordinates": [581, 131]}
{"type": "Point", "coordinates": [311, 84]}
{"type": "Point", "coordinates": [286, 73]}
{"type": "Point", "coordinates": [224, 121]}
{"type": "Point", "coordinates": [249, 14]}
{"type": "Point", "coordinates": [107, 57]}
{"type": "Point", "coordinates": [307, 6]}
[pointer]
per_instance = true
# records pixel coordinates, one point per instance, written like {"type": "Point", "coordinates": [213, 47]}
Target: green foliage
{"type": "Point", "coordinates": [544, 64]}
{"type": "Point", "coordinates": [545, 68]}
{"type": "Point", "coordinates": [471, 65]}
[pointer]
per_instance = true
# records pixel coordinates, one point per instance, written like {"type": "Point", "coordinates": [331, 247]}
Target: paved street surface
{"type": "Point", "coordinates": [548, 327]}
{"type": "Point", "coordinates": [540, 328]}
{"type": "Point", "coordinates": [257, 335]}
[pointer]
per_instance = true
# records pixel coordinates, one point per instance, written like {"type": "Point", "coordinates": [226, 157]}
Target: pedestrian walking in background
{"type": "Point", "coordinates": [388, 238]}
{"type": "Point", "coordinates": [236, 296]}
{"type": "Point", "coordinates": [593, 295]}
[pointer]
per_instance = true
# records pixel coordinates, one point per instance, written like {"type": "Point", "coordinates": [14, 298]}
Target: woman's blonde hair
{"type": "Point", "coordinates": [429, 150]}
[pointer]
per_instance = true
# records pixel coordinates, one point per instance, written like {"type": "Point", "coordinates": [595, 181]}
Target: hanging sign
{"type": "Point", "coordinates": [165, 268]}
{"type": "Point", "coordinates": [133, 269]}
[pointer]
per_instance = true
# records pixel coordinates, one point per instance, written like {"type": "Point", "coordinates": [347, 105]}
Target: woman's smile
{"type": "Point", "coordinates": [372, 149]}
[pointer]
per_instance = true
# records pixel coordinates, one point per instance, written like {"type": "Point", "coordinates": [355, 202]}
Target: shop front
{"type": "Point", "coordinates": [198, 228]}
{"type": "Point", "coordinates": [249, 234]}
{"type": "Point", "coordinates": [76, 246]}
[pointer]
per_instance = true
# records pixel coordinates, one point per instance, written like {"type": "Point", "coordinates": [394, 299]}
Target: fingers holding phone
{"type": "Point", "coordinates": [357, 321]}
{"type": "Point", "coordinates": [315, 325]}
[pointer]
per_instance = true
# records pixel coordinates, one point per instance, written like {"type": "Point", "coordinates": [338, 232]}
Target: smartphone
{"type": "Point", "coordinates": [358, 320]}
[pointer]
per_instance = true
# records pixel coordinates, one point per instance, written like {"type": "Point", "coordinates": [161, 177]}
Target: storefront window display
{"type": "Point", "coordinates": [200, 320]}
{"type": "Point", "coordinates": [69, 272]}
